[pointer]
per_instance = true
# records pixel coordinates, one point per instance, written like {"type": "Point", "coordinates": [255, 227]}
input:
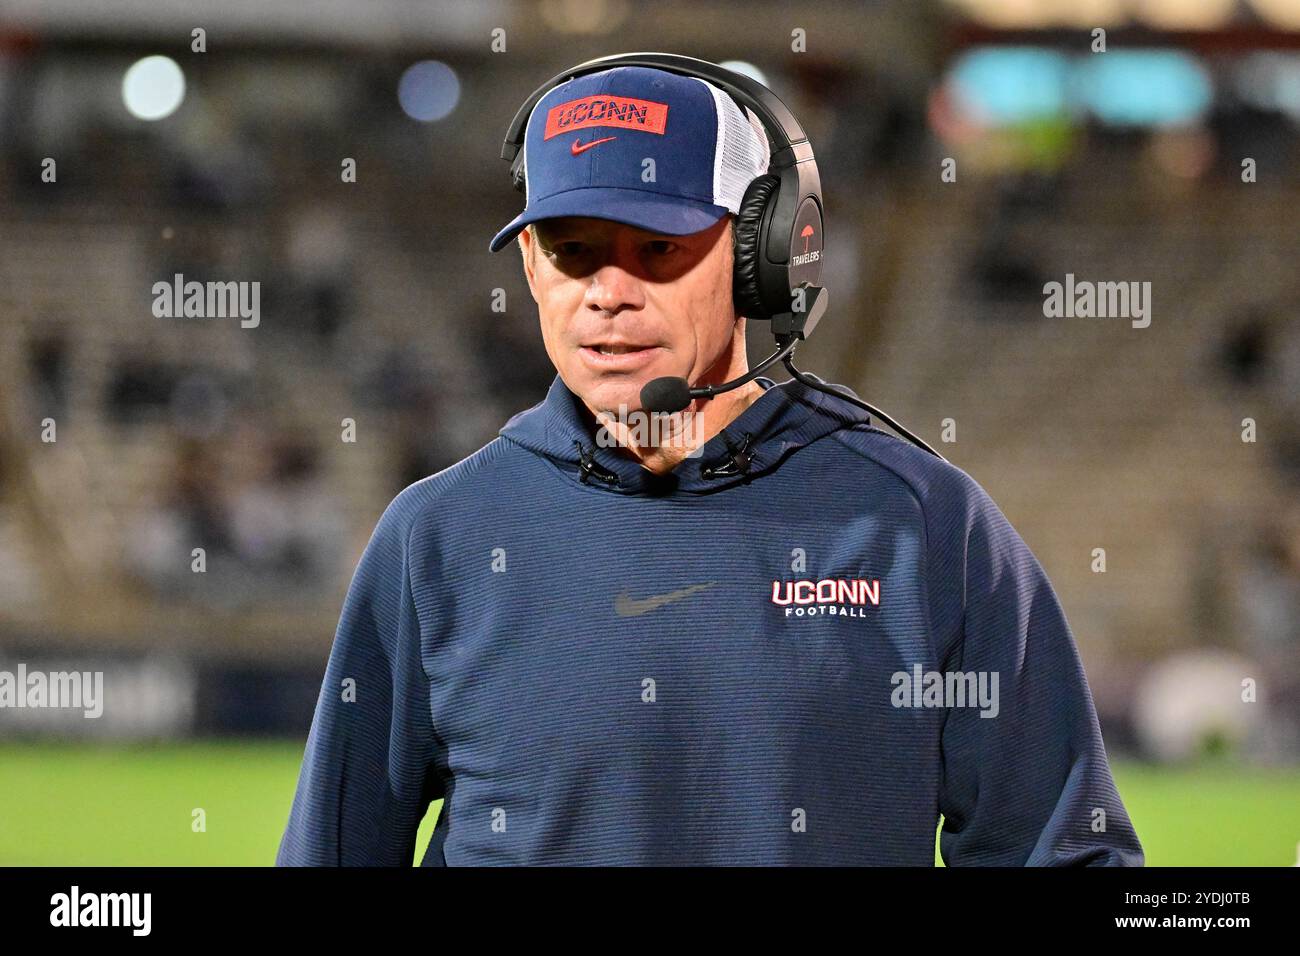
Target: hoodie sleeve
{"type": "Point", "coordinates": [1031, 785]}
{"type": "Point", "coordinates": [368, 773]}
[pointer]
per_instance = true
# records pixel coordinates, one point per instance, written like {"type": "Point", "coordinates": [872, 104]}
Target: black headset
{"type": "Point", "coordinates": [779, 238]}
{"type": "Point", "coordinates": [778, 230]}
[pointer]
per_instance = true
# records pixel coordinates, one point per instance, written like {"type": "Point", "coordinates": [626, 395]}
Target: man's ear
{"type": "Point", "coordinates": [525, 240]}
{"type": "Point", "coordinates": [528, 251]}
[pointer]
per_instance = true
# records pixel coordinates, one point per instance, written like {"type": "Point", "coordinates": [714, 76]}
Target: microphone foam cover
{"type": "Point", "coordinates": [667, 394]}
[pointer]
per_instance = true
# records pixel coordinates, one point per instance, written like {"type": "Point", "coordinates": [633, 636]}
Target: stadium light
{"type": "Point", "coordinates": [153, 88]}
{"type": "Point", "coordinates": [428, 91]}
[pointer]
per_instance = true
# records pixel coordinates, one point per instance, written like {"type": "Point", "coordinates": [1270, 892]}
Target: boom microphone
{"type": "Point", "coordinates": [667, 394]}
{"type": "Point", "coordinates": [672, 394]}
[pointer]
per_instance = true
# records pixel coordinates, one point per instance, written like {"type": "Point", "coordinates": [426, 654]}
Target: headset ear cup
{"type": "Point", "coordinates": [745, 289]}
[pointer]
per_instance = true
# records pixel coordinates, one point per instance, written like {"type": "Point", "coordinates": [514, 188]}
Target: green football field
{"type": "Point", "coordinates": [94, 806]}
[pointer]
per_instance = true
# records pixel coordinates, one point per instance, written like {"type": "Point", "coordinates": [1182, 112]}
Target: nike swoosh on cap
{"type": "Point", "coordinates": [579, 146]}
{"type": "Point", "coordinates": [627, 606]}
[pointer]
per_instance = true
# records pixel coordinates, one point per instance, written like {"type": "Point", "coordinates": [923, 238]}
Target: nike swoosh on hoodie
{"type": "Point", "coordinates": [627, 606]}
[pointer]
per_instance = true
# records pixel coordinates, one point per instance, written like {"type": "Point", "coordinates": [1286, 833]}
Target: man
{"type": "Point", "coordinates": [773, 634]}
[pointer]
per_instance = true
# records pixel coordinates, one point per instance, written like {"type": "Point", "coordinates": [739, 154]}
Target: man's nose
{"type": "Point", "coordinates": [613, 288]}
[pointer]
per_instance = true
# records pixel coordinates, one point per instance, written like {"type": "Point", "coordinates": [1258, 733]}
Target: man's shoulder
{"type": "Point", "coordinates": [934, 482]}
{"type": "Point", "coordinates": [456, 486]}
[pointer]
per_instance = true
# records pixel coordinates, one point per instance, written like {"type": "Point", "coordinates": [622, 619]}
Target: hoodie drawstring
{"type": "Point", "coordinates": [591, 468]}
{"type": "Point", "coordinates": [736, 462]}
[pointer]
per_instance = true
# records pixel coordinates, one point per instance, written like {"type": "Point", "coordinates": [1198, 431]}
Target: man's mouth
{"type": "Point", "coordinates": [617, 356]}
{"type": "Point", "coordinates": [615, 346]}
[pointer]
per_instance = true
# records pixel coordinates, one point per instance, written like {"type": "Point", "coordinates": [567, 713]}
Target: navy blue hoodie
{"type": "Point", "coordinates": [799, 647]}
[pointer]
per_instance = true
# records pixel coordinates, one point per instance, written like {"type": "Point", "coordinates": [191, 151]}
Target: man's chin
{"type": "Point", "coordinates": [613, 396]}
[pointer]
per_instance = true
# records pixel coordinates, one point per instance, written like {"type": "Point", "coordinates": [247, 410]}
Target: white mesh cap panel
{"type": "Point", "coordinates": [742, 154]}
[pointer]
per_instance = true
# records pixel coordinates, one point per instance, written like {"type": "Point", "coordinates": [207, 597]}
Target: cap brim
{"type": "Point", "coordinates": [670, 215]}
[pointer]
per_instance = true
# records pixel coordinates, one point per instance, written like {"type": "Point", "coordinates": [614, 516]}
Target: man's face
{"type": "Point", "coordinates": [620, 306]}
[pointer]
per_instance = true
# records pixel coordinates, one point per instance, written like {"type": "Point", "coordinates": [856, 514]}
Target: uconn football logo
{"type": "Point", "coordinates": [843, 597]}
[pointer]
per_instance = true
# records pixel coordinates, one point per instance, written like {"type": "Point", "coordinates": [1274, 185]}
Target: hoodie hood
{"type": "Point", "coordinates": [786, 417]}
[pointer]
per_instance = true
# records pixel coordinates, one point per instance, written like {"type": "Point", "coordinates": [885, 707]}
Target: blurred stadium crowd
{"type": "Point", "coordinates": [377, 307]}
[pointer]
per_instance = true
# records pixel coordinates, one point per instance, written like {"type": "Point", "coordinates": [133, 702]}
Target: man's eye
{"type": "Point", "coordinates": [662, 247]}
{"type": "Point", "coordinates": [569, 249]}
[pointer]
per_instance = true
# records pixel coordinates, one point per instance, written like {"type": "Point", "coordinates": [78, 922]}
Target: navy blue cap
{"type": "Point", "coordinates": [667, 153]}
